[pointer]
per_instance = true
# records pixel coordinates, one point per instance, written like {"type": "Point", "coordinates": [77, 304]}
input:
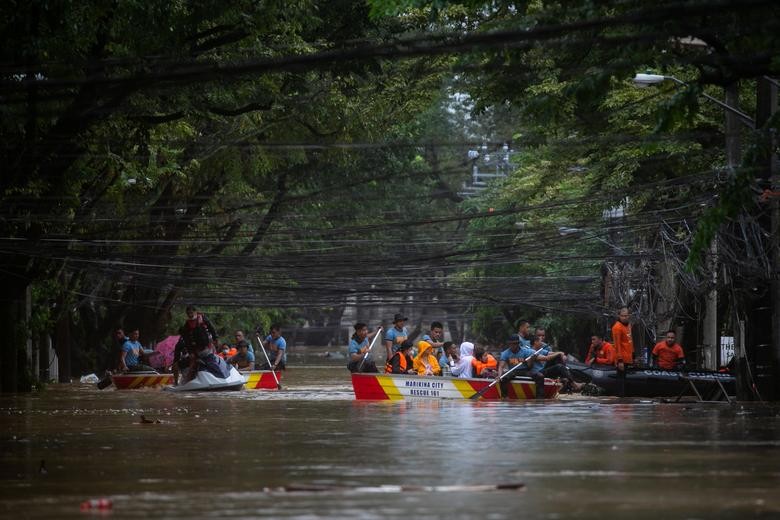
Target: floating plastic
{"type": "Point", "coordinates": [96, 504]}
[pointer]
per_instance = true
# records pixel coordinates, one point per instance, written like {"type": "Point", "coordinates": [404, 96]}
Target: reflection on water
{"type": "Point", "coordinates": [227, 454]}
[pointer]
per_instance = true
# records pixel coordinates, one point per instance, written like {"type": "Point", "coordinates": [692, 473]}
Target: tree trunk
{"type": "Point", "coordinates": [62, 346]}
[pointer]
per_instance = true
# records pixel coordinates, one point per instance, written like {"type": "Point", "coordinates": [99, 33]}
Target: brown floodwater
{"type": "Point", "coordinates": [228, 454]}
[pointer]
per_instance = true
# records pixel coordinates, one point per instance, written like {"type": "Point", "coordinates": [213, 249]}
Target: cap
{"type": "Point", "coordinates": [514, 338]}
{"type": "Point", "coordinates": [406, 345]}
{"type": "Point", "coordinates": [399, 317]}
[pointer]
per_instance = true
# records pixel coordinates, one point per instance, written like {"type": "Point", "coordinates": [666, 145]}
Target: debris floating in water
{"type": "Point", "coordinates": [97, 504]}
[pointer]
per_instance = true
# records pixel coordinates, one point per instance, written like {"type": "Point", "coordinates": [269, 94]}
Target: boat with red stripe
{"type": "Point", "coordinates": [261, 379]}
{"type": "Point", "coordinates": [131, 380]}
{"type": "Point", "coordinates": [380, 387]}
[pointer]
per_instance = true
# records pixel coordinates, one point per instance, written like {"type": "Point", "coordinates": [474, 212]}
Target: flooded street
{"type": "Point", "coordinates": [228, 455]}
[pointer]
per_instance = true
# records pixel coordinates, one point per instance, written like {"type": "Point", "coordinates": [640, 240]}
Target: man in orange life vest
{"type": "Point", "coordinates": [601, 352]}
{"type": "Point", "coordinates": [669, 354]}
{"type": "Point", "coordinates": [401, 362]}
{"type": "Point", "coordinates": [624, 346]}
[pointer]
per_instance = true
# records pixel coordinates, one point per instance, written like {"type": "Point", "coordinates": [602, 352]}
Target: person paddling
{"type": "Point", "coordinates": [514, 355]}
{"type": "Point", "coordinates": [358, 346]}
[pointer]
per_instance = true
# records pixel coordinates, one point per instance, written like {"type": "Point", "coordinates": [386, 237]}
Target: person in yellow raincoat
{"type": "Point", "coordinates": [425, 363]}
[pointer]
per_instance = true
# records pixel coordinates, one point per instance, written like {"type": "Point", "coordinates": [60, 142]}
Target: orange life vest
{"type": "Point", "coordinates": [403, 365]}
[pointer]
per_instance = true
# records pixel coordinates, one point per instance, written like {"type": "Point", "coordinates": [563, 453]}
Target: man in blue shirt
{"type": "Point", "coordinates": [448, 358]}
{"type": "Point", "coordinates": [277, 349]}
{"type": "Point", "coordinates": [358, 347]}
{"type": "Point", "coordinates": [517, 354]}
{"type": "Point", "coordinates": [523, 328]}
{"type": "Point", "coordinates": [396, 335]}
{"type": "Point", "coordinates": [551, 364]}
{"type": "Point", "coordinates": [435, 336]}
{"type": "Point", "coordinates": [132, 353]}
{"type": "Point", "coordinates": [250, 353]}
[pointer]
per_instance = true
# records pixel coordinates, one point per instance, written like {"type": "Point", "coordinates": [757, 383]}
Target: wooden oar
{"type": "Point", "coordinates": [482, 392]}
{"type": "Point", "coordinates": [268, 360]}
{"type": "Point", "coordinates": [365, 356]}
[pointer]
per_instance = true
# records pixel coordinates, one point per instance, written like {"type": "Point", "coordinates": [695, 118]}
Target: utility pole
{"type": "Point", "coordinates": [768, 347]}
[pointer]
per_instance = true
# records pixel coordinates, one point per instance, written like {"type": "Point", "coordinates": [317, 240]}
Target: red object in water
{"type": "Point", "coordinates": [96, 503]}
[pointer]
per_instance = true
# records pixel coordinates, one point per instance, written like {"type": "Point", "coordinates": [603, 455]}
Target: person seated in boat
{"type": "Point", "coordinates": [448, 358]}
{"type": "Point", "coordinates": [226, 351]}
{"type": "Point", "coordinates": [464, 369]}
{"type": "Point", "coordinates": [395, 335]}
{"type": "Point", "coordinates": [425, 361]}
{"type": "Point", "coordinates": [241, 359]}
{"type": "Point", "coordinates": [133, 354]}
{"type": "Point", "coordinates": [207, 360]}
{"type": "Point", "coordinates": [668, 354]}
{"type": "Point", "coordinates": [600, 352]}
{"type": "Point", "coordinates": [358, 347]}
{"type": "Point", "coordinates": [516, 358]}
{"type": "Point", "coordinates": [239, 335]}
{"type": "Point", "coordinates": [551, 364]}
{"type": "Point", "coordinates": [401, 362]}
{"type": "Point", "coordinates": [485, 365]}
{"type": "Point", "coordinates": [276, 347]}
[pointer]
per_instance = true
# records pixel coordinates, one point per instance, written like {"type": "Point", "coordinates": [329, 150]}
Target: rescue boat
{"type": "Point", "coordinates": [380, 387]}
{"type": "Point", "coordinates": [260, 379]}
{"type": "Point", "coordinates": [131, 380]}
{"type": "Point", "coordinates": [655, 382]}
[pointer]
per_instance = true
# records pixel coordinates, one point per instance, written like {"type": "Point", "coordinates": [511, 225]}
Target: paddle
{"type": "Point", "coordinates": [365, 356]}
{"type": "Point", "coordinates": [479, 394]}
{"type": "Point", "coordinates": [268, 360]}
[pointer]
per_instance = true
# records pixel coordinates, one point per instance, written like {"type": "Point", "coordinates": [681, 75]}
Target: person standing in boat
{"type": "Point", "coordinates": [197, 334]}
{"type": "Point", "coordinates": [277, 349]}
{"type": "Point", "coordinates": [600, 352]}
{"type": "Point", "coordinates": [515, 354]}
{"type": "Point", "coordinates": [401, 362]}
{"type": "Point", "coordinates": [425, 363]}
{"type": "Point", "coordinates": [435, 337]}
{"type": "Point", "coordinates": [624, 347]}
{"type": "Point", "coordinates": [668, 354]}
{"type": "Point", "coordinates": [524, 333]}
{"type": "Point", "coordinates": [396, 335]}
{"type": "Point", "coordinates": [197, 331]}
{"type": "Point", "coordinates": [358, 346]}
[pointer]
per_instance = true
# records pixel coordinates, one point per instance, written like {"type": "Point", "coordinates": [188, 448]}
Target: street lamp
{"type": "Point", "coordinates": [645, 80]}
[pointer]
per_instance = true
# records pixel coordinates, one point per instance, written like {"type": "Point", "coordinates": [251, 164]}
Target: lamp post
{"type": "Point", "coordinates": [645, 80]}
{"type": "Point", "coordinates": [710, 325]}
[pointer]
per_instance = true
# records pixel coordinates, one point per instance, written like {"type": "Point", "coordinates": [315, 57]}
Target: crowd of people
{"type": "Point", "coordinates": [524, 354]}
{"type": "Point", "coordinates": [199, 348]}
